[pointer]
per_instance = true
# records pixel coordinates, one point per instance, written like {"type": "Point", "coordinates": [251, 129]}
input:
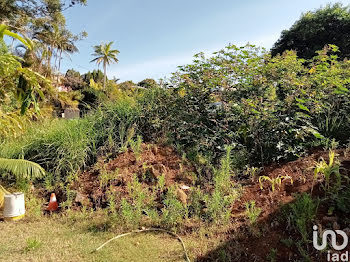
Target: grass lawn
{"type": "Point", "coordinates": [49, 239]}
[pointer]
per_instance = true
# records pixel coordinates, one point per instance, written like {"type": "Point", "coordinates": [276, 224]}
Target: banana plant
{"type": "Point", "coordinates": [4, 31]}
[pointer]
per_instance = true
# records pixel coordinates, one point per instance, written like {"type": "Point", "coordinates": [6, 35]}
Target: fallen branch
{"type": "Point", "coordinates": [145, 230]}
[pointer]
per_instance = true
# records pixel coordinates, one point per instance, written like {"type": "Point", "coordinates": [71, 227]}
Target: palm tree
{"type": "Point", "coordinates": [104, 54]}
{"type": "Point", "coordinates": [67, 47]}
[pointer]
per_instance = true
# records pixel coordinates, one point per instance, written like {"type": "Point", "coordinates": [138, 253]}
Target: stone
{"type": "Point", "coordinates": [82, 199]}
{"type": "Point", "coordinates": [181, 196]}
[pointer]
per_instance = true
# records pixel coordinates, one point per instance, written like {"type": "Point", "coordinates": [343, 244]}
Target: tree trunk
{"type": "Point", "coordinates": [56, 56]}
{"type": "Point", "coordinates": [59, 61]}
{"type": "Point", "coordinates": [105, 76]}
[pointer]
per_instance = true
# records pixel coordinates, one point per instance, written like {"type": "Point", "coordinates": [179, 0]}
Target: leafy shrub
{"type": "Point", "coordinates": [173, 212]}
{"type": "Point", "coordinates": [139, 203]}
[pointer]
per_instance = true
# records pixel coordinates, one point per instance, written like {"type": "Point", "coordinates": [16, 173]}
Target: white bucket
{"type": "Point", "coordinates": [14, 207]}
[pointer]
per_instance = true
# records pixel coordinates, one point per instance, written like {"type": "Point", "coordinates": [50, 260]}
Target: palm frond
{"type": "Point", "coordinates": [22, 168]}
{"type": "Point", "coordinates": [3, 192]}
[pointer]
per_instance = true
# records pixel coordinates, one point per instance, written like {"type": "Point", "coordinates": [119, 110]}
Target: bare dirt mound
{"type": "Point", "coordinates": [154, 161]}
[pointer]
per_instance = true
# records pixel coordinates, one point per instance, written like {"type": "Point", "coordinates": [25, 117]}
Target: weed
{"type": "Point", "coordinates": [301, 214]}
{"type": "Point", "coordinates": [196, 200]}
{"type": "Point", "coordinates": [272, 255]}
{"type": "Point", "coordinates": [105, 177]}
{"type": "Point", "coordinates": [111, 198]}
{"type": "Point", "coordinates": [252, 212]}
{"type": "Point", "coordinates": [125, 136]}
{"type": "Point", "coordinates": [288, 242]}
{"type": "Point", "coordinates": [173, 212]}
{"type": "Point", "coordinates": [219, 202]}
{"type": "Point", "coordinates": [252, 172]}
{"type": "Point", "coordinates": [32, 244]}
{"type": "Point", "coordinates": [136, 147]}
{"type": "Point", "coordinates": [161, 182]}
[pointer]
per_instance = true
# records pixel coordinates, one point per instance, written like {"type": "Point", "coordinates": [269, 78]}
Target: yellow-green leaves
{"type": "Point", "coordinates": [26, 41]}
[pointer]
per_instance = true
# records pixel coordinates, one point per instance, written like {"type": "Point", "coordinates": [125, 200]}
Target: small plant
{"type": "Point", "coordinates": [288, 242]}
{"type": "Point", "coordinates": [32, 244]}
{"type": "Point", "coordinates": [225, 192]}
{"type": "Point", "coordinates": [111, 200]}
{"type": "Point", "coordinates": [136, 147]}
{"type": "Point", "coordinates": [301, 214]}
{"type": "Point", "coordinates": [252, 172]}
{"type": "Point", "coordinates": [140, 202]}
{"type": "Point", "coordinates": [327, 171]}
{"type": "Point", "coordinates": [274, 181]}
{"type": "Point", "coordinates": [161, 182]}
{"type": "Point", "coordinates": [173, 212]}
{"type": "Point", "coordinates": [222, 176]}
{"type": "Point", "coordinates": [196, 200]}
{"type": "Point", "coordinates": [252, 212]}
{"type": "Point", "coordinates": [272, 255]}
{"type": "Point", "coordinates": [105, 177]}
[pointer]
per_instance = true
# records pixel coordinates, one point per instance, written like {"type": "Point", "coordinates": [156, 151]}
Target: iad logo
{"type": "Point", "coordinates": [333, 242]}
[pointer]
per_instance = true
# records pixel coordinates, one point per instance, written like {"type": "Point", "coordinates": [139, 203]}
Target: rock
{"type": "Point", "coordinates": [181, 196]}
{"type": "Point", "coordinates": [184, 187]}
{"type": "Point", "coordinates": [82, 199]}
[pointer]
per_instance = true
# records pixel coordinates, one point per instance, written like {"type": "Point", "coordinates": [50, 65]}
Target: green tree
{"type": "Point", "coordinates": [148, 83]}
{"type": "Point", "coordinates": [96, 75]}
{"type": "Point", "coordinates": [105, 55]}
{"type": "Point", "coordinates": [19, 12]}
{"type": "Point", "coordinates": [127, 85]}
{"type": "Point", "coordinates": [314, 30]}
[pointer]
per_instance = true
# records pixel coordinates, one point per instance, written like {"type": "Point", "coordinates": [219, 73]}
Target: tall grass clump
{"type": "Point", "coordinates": [112, 123]}
{"type": "Point", "coordinates": [64, 147]}
{"type": "Point", "coordinates": [61, 147]}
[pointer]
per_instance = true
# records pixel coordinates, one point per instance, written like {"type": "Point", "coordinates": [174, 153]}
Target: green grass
{"type": "Point", "coordinates": [50, 239]}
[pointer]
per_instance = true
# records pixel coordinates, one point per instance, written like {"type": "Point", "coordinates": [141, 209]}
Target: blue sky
{"type": "Point", "coordinates": [156, 36]}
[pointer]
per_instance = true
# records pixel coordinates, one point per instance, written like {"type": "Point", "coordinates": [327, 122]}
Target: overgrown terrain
{"type": "Point", "coordinates": [240, 154]}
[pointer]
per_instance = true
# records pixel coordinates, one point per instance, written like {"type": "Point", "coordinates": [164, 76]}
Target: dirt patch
{"type": "Point", "coordinates": [243, 245]}
{"type": "Point", "coordinates": [154, 161]}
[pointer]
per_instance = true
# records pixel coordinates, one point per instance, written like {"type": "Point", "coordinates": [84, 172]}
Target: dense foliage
{"type": "Point", "coordinates": [269, 108]}
{"type": "Point", "coordinates": [314, 30]}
